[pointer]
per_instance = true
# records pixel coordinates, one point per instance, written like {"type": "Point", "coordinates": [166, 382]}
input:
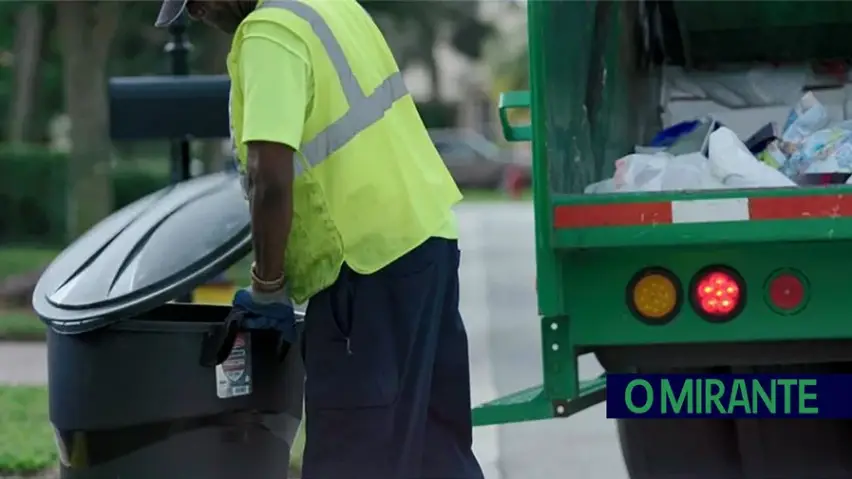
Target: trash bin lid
{"type": "Point", "coordinates": [146, 254]}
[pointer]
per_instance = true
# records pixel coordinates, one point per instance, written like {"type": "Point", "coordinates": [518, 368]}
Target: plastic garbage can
{"type": "Point", "coordinates": [142, 387]}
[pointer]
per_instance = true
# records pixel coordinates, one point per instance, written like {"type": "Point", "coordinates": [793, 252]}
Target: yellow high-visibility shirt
{"type": "Point", "coordinates": [276, 86]}
{"type": "Point", "coordinates": [276, 83]}
{"type": "Point", "coordinates": [370, 186]}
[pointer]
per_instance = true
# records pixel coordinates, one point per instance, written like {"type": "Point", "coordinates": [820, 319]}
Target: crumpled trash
{"type": "Point", "coordinates": [762, 138]}
{"type": "Point", "coordinates": [682, 138]}
{"type": "Point", "coordinates": [734, 165]}
{"type": "Point", "coordinates": [808, 145]}
{"type": "Point", "coordinates": [806, 118]}
{"type": "Point", "coordinates": [729, 165]}
{"type": "Point", "coordinates": [600, 187]}
{"type": "Point", "coordinates": [826, 151]}
{"type": "Point", "coordinates": [701, 154]}
{"type": "Point", "coordinates": [663, 172]}
{"type": "Point", "coordinates": [772, 155]}
{"type": "Point", "coordinates": [670, 135]}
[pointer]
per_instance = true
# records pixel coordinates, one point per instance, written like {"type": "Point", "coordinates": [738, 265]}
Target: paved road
{"type": "Point", "coordinates": [498, 301]}
{"type": "Point", "coordinates": [23, 364]}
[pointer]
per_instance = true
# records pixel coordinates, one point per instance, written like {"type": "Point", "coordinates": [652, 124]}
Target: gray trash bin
{"type": "Point", "coordinates": [145, 388]}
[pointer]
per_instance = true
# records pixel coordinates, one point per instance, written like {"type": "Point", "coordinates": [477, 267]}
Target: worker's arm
{"type": "Point", "coordinates": [274, 75]}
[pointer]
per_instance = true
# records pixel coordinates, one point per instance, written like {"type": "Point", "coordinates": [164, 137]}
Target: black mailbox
{"type": "Point", "coordinates": [158, 107]}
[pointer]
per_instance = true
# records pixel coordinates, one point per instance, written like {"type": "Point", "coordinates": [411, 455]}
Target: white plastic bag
{"type": "Point", "coordinates": [605, 186]}
{"type": "Point", "coordinates": [731, 163]}
{"type": "Point", "coordinates": [663, 172]}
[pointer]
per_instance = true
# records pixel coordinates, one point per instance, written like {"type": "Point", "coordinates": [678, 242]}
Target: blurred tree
{"type": "Point", "coordinates": [8, 14]}
{"type": "Point", "coordinates": [507, 58]}
{"type": "Point", "coordinates": [212, 60]}
{"type": "Point", "coordinates": [138, 45]}
{"type": "Point", "coordinates": [413, 29]}
{"type": "Point", "coordinates": [25, 59]}
{"type": "Point", "coordinates": [86, 31]}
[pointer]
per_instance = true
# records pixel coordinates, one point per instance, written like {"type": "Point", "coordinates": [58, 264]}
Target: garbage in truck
{"type": "Point", "coordinates": [663, 172]}
{"type": "Point", "coordinates": [758, 86]}
{"type": "Point", "coordinates": [758, 142]}
{"type": "Point", "coordinates": [702, 154]}
{"type": "Point", "coordinates": [732, 162]}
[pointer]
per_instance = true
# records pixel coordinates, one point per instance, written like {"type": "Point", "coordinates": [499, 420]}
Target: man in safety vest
{"type": "Point", "coordinates": [340, 168]}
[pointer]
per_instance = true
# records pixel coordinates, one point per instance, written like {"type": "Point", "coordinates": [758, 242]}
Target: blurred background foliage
{"type": "Point", "coordinates": [59, 171]}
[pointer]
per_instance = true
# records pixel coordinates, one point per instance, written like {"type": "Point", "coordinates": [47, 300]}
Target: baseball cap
{"type": "Point", "coordinates": [169, 12]}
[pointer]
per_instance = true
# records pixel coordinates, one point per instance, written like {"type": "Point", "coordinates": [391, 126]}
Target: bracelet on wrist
{"type": "Point", "coordinates": [265, 285]}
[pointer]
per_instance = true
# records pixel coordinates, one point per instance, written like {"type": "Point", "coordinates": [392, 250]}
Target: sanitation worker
{"type": "Point", "coordinates": [351, 208]}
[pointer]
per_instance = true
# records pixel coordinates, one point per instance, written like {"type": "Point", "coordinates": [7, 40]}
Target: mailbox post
{"type": "Point", "coordinates": [178, 50]}
{"type": "Point", "coordinates": [176, 108]}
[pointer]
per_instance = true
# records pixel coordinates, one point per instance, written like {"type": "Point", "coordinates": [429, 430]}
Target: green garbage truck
{"type": "Point", "coordinates": [621, 275]}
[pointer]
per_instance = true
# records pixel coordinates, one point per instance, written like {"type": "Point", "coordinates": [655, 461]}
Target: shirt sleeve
{"type": "Point", "coordinates": [276, 82]}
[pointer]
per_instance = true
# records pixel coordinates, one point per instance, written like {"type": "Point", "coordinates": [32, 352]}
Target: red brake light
{"type": "Point", "coordinates": [786, 292]}
{"type": "Point", "coordinates": [718, 294]}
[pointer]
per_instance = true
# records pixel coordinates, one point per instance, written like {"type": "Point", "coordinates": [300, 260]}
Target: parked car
{"type": "Point", "coordinates": [476, 162]}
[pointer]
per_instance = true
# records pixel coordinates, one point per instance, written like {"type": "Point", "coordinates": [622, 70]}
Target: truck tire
{"type": "Point", "coordinates": [679, 449]}
{"type": "Point", "coordinates": [796, 448]}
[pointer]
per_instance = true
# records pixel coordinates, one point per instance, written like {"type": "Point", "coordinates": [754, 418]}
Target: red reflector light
{"type": "Point", "coordinates": [718, 294]}
{"type": "Point", "coordinates": [786, 291]}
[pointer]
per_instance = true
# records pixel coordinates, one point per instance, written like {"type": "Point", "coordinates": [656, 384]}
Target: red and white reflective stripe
{"type": "Point", "coordinates": [710, 211]}
{"type": "Point", "coordinates": [702, 211]}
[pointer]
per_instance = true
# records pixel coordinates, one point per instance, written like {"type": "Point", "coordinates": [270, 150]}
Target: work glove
{"type": "Point", "coordinates": [267, 311]}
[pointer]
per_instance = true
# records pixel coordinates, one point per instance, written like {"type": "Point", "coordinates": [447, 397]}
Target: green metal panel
{"type": "Point", "coordinates": [594, 95]}
{"type": "Point", "coordinates": [600, 315]}
{"type": "Point", "coordinates": [776, 30]}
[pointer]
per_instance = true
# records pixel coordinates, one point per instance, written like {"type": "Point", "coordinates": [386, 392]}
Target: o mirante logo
{"type": "Point", "coordinates": [681, 395]}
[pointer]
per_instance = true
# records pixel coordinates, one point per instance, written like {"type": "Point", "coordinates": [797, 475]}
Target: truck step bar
{"type": "Point", "coordinates": [533, 404]}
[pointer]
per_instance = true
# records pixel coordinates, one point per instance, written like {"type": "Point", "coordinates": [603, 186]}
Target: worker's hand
{"type": "Point", "coordinates": [267, 311]}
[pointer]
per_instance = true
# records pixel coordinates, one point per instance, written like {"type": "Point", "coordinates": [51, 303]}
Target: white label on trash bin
{"type": "Point", "coordinates": [233, 377]}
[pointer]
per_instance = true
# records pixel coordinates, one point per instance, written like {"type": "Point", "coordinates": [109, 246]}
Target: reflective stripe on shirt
{"type": "Point", "coordinates": [364, 110]}
{"type": "Point", "coordinates": [234, 152]}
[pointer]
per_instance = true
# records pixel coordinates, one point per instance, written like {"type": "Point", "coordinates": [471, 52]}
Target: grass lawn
{"type": "Point", "coordinates": [26, 437]}
{"type": "Point", "coordinates": [27, 444]}
{"type": "Point", "coordinates": [20, 326]}
{"type": "Point", "coordinates": [17, 260]}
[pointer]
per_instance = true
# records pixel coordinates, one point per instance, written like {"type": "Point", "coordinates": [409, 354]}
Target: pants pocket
{"type": "Point", "coordinates": [350, 359]}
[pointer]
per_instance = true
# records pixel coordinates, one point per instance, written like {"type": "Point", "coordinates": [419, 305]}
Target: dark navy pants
{"type": "Point", "coordinates": [388, 380]}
